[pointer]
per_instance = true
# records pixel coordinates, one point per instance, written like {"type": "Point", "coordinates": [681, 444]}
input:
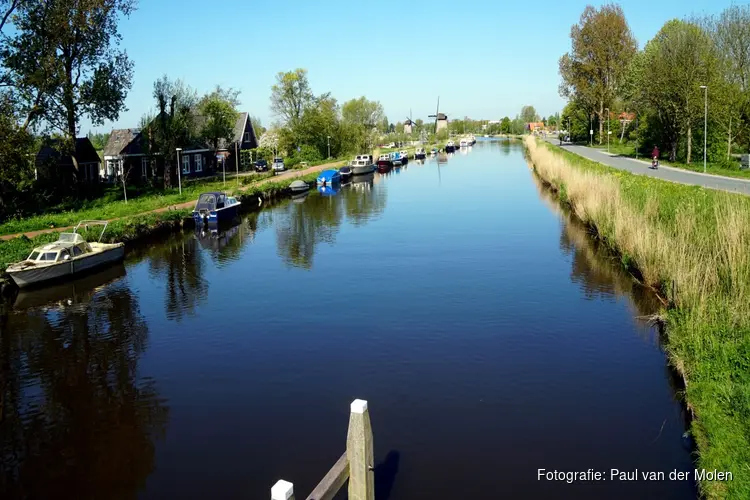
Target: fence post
{"type": "Point", "coordinates": [282, 490]}
{"type": "Point", "coordinates": [359, 451]}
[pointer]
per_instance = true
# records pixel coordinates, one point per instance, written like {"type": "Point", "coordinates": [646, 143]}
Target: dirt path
{"type": "Point", "coordinates": [291, 174]}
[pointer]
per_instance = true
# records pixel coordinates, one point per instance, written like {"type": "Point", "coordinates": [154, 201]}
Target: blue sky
{"type": "Point", "coordinates": [484, 61]}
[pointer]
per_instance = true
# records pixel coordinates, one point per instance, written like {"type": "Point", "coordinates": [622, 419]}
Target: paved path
{"type": "Point", "coordinates": [289, 174]}
{"type": "Point", "coordinates": [641, 167]}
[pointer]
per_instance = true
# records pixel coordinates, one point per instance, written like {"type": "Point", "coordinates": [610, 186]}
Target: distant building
{"type": "Point", "coordinates": [442, 122]}
{"type": "Point", "coordinates": [626, 117]}
{"type": "Point", "coordinates": [51, 164]}
{"type": "Point", "coordinates": [535, 127]}
{"type": "Point", "coordinates": [408, 126]}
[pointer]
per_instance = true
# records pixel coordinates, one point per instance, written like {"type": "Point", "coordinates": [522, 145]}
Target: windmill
{"type": "Point", "coordinates": [408, 124]}
{"type": "Point", "coordinates": [441, 119]}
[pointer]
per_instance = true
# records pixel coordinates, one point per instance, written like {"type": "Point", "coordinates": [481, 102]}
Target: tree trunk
{"type": "Point", "coordinates": [729, 139]}
{"type": "Point", "coordinates": [689, 143]}
{"type": "Point", "coordinates": [622, 134]}
{"type": "Point", "coordinates": [673, 150]}
{"type": "Point", "coordinates": [601, 121]}
{"type": "Point", "coordinates": [70, 117]}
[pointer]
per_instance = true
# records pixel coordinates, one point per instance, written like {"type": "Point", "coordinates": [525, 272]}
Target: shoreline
{"type": "Point", "coordinates": [664, 235]}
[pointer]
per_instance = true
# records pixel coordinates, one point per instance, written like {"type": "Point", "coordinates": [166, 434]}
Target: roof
{"type": "Point", "coordinates": [84, 153]}
{"type": "Point", "coordinates": [243, 121]}
{"type": "Point", "coordinates": [627, 116]}
{"type": "Point", "coordinates": [442, 116]}
{"type": "Point", "coordinates": [123, 141]}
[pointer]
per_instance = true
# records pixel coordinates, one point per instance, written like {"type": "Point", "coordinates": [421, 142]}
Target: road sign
{"type": "Point", "coordinates": [609, 133]}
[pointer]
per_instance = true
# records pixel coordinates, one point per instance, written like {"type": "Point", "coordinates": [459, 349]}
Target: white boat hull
{"type": "Point", "coordinates": [32, 275]}
{"type": "Point", "coordinates": [362, 170]}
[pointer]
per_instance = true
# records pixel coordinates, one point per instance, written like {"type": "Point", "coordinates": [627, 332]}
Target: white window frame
{"type": "Point", "coordinates": [185, 164]}
{"type": "Point", "coordinates": [246, 137]}
{"type": "Point", "coordinates": [199, 162]}
{"type": "Point", "coordinates": [144, 167]}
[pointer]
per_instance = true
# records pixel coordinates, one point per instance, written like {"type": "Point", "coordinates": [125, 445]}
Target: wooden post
{"type": "Point", "coordinates": [359, 451]}
{"type": "Point", "coordinates": [282, 490]}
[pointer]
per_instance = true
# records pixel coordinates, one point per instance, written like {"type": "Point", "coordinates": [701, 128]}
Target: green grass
{"type": "Point", "coordinates": [699, 241]}
{"type": "Point", "coordinates": [628, 150]}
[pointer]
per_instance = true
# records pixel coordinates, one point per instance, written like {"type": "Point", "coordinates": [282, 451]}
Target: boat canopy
{"type": "Point", "coordinates": [67, 245]}
{"type": "Point", "coordinates": [328, 175]}
{"type": "Point", "coordinates": [211, 201]}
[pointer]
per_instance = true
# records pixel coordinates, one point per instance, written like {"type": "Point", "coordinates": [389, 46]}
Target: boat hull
{"type": "Point", "coordinates": [385, 167]}
{"type": "Point", "coordinates": [420, 156]}
{"type": "Point", "coordinates": [450, 149]}
{"type": "Point", "coordinates": [218, 216]}
{"type": "Point", "coordinates": [37, 275]}
{"type": "Point", "coordinates": [364, 170]}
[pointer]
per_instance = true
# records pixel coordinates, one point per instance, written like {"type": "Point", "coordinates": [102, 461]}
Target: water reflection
{"type": "Point", "coordinates": [179, 264]}
{"type": "Point", "coordinates": [75, 420]}
{"type": "Point", "coordinates": [224, 245]}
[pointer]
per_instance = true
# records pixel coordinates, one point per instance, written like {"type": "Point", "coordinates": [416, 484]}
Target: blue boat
{"type": "Point", "coordinates": [329, 177]}
{"type": "Point", "coordinates": [396, 159]}
{"type": "Point", "coordinates": [329, 189]}
{"type": "Point", "coordinates": [215, 208]}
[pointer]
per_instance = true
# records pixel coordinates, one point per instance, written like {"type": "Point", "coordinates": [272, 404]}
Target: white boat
{"type": "Point", "coordinates": [463, 143]}
{"type": "Point", "coordinates": [404, 156]}
{"type": "Point", "coordinates": [69, 256]}
{"type": "Point", "coordinates": [298, 186]}
{"type": "Point", "coordinates": [361, 167]}
{"type": "Point", "coordinates": [420, 154]}
{"type": "Point", "coordinates": [368, 158]}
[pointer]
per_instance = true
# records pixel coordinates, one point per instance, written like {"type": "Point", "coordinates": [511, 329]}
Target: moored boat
{"type": "Point", "coordinates": [367, 158]}
{"type": "Point", "coordinates": [463, 143]}
{"type": "Point", "coordinates": [404, 156]}
{"type": "Point", "coordinates": [215, 208]}
{"type": "Point", "coordinates": [396, 159]}
{"type": "Point", "coordinates": [420, 154]}
{"type": "Point", "coordinates": [69, 256]}
{"type": "Point", "coordinates": [384, 161]}
{"type": "Point", "coordinates": [362, 167]}
{"type": "Point", "coordinates": [450, 147]}
{"type": "Point", "coordinates": [433, 152]}
{"type": "Point", "coordinates": [298, 186]}
{"type": "Point", "coordinates": [329, 177]}
{"type": "Point", "coordinates": [345, 172]}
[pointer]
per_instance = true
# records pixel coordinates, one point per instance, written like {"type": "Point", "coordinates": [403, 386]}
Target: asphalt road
{"type": "Point", "coordinates": [672, 174]}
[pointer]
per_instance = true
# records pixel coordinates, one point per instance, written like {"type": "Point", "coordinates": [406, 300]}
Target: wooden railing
{"type": "Point", "coordinates": [356, 464]}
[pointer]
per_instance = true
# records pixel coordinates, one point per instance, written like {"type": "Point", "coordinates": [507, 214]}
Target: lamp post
{"type": "Point", "coordinates": [179, 178]}
{"type": "Point", "coordinates": [608, 132]}
{"type": "Point", "coordinates": [705, 124]}
{"type": "Point", "coordinates": [329, 146]}
{"type": "Point", "coordinates": [591, 129]}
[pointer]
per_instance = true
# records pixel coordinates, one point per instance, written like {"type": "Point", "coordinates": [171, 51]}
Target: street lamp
{"type": "Point", "coordinates": [608, 132]}
{"type": "Point", "coordinates": [705, 124]}
{"type": "Point", "coordinates": [329, 146]}
{"type": "Point", "coordinates": [179, 178]}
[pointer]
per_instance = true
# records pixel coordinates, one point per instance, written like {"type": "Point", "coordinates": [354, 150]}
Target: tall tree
{"type": "Point", "coordinates": [529, 114]}
{"type": "Point", "coordinates": [669, 74]}
{"type": "Point", "coordinates": [218, 117]}
{"type": "Point", "coordinates": [67, 51]}
{"type": "Point", "coordinates": [362, 112]}
{"type": "Point", "coordinates": [602, 47]}
{"type": "Point", "coordinates": [257, 126]}
{"type": "Point", "coordinates": [290, 96]}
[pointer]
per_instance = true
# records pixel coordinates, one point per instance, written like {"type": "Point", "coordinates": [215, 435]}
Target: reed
{"type": "Point", "coordinates": [692, 245]}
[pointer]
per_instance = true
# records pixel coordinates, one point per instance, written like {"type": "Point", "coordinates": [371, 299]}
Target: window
{"type": "Point", "coordinates": [199, 163]}
{"type": "Point", "coordinates": [246, 137]}
{"type": "Point", "coordinates": [186, 164]}
{"type": "Point", "coordinates": [49, 256]}
{"type": "Point", "coordinates": [64, 255]}
{"type": "Point", "coordinates": [144, 167]}
{"type": "Point", "coordinates": [77, 251]}
{"type": "Point", "coordinates": [33, 256]}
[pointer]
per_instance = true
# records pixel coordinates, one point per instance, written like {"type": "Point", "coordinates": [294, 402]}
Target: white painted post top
{"type": "Point", "coordinates": [282, 490]}
{"type": "Point", "coordinates": [359, 406]}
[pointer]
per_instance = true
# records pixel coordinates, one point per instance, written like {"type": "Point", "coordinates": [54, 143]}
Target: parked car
{"type": "Point", "coordinates": [261, 165]}
{"type": "Point", "coordinates": [278, 165]}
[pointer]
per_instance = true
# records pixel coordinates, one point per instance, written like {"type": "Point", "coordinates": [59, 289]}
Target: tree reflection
{"type": "Point", "coordinates": [179, 263]}
{"type": "Point", "coordinates": [362, 201]}
{"type": "Point", "coordinates": [75, 421]}
{"type": "Point", "coordinates": [302, 226]}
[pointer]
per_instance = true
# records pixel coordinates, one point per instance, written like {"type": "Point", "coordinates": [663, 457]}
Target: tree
{"type": "Point", "coordinates": [505, 125]}
{"type": "Point", "coordinates": [362, 112]}
{"type": "Point", "coordinates": [257, 126]}
{"type": "Point", "coordinates": [529, 114]}
{"type": "Point", "coordinates": [290, 96]}
{"type": "Point", "coordinates": [602, 47]}
{"type": "Point", "coordinates": [319, 122]}
{"type": "Point", "coordinates": [219, 116]}
{"type": "Point", "coordinates": [64, 58]}
{"type": "Point", "coordinates": [686, 58]}
{"type": "Point", "coordinates": [98, 140]}
{"type": "Point", "coordinates": [16, 146]}
{"type": "Point", "coordinates": [384, 126]}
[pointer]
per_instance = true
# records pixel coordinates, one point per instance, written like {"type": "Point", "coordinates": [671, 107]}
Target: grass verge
{"type": "Point", "coordinates": [693, 246]}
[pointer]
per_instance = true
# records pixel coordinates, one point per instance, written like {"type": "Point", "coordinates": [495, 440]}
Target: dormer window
{"type": "Point", "coordinates": [246, 138]}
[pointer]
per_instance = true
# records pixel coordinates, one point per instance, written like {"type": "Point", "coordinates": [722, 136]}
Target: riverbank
{"type": "Point", "coordinates": [137, 227]}
{"type": "Point", "coordinates": [692, 245]}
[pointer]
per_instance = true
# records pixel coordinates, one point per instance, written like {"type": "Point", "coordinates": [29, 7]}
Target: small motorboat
{"type": "Point", "coordinates": [67, 257]}
{"type": "Point", "coordinates": [464, 143]}
{"type": "Point", "coordinates": [384, 160]}
{"type": "Point", "coordinates": [433, 152]}
{"type": "Point", "coordinates": [420, 154]}
{"type": "Point", "coordinates": [215, 208]}
{"type": "Point", "coordinates": [329, 177]}
{"type": "Point", "coordinates": [367, 158]}
{"type": "Point", "coordinates": [345, 172]}
{"type": "Point", "coordinates": [362, 167]}
{"type": "Point", "coordinates": [298, 187]}
{"type": "Point", "coordinates": [450, 147]}
{"type": "Point", "coordinates": [404, 156]}
{"type": "Point", "coordinates": [396, 159]}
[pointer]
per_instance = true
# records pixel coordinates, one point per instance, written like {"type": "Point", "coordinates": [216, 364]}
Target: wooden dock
{"type": "Point", "coordinates": [356, 465]}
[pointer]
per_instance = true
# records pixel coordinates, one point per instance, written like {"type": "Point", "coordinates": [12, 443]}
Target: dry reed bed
{"type": "Point", "coordinates": [693, 246]}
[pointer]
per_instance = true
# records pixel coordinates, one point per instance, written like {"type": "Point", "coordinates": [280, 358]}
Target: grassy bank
{"type": "Point", "coordinates": [693, 246]}
{"type": "Point", "coordinates": [697, 165]}
{"type": "Point", "coordinates": [134, 228]}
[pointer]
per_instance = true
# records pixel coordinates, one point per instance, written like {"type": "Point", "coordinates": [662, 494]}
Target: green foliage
{"type": "Point", "coordinates": [219, 117]}
{"type": "Point", "coordinates": [291, 96]}
{"type": "Point", "coordinates": [529, 114]}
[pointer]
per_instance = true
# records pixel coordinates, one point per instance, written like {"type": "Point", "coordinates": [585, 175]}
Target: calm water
{"type": "Point", "coordinates": [489, 335]}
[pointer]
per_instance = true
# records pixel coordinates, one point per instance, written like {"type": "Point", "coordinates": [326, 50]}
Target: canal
{"type": "Point", "coordinates": [488, 332]}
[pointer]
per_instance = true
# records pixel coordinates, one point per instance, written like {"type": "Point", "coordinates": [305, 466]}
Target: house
{"type": "Point", "coordinates": [244, 138]}
{"type": "Point", "coordinates": [626, 117]}
{"type": "Point", "coordinates": [52, 164]}
{"type": "Point", "coordinates": [125, 152]}
{"type": "Point", "coordinates": [535, 127]}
